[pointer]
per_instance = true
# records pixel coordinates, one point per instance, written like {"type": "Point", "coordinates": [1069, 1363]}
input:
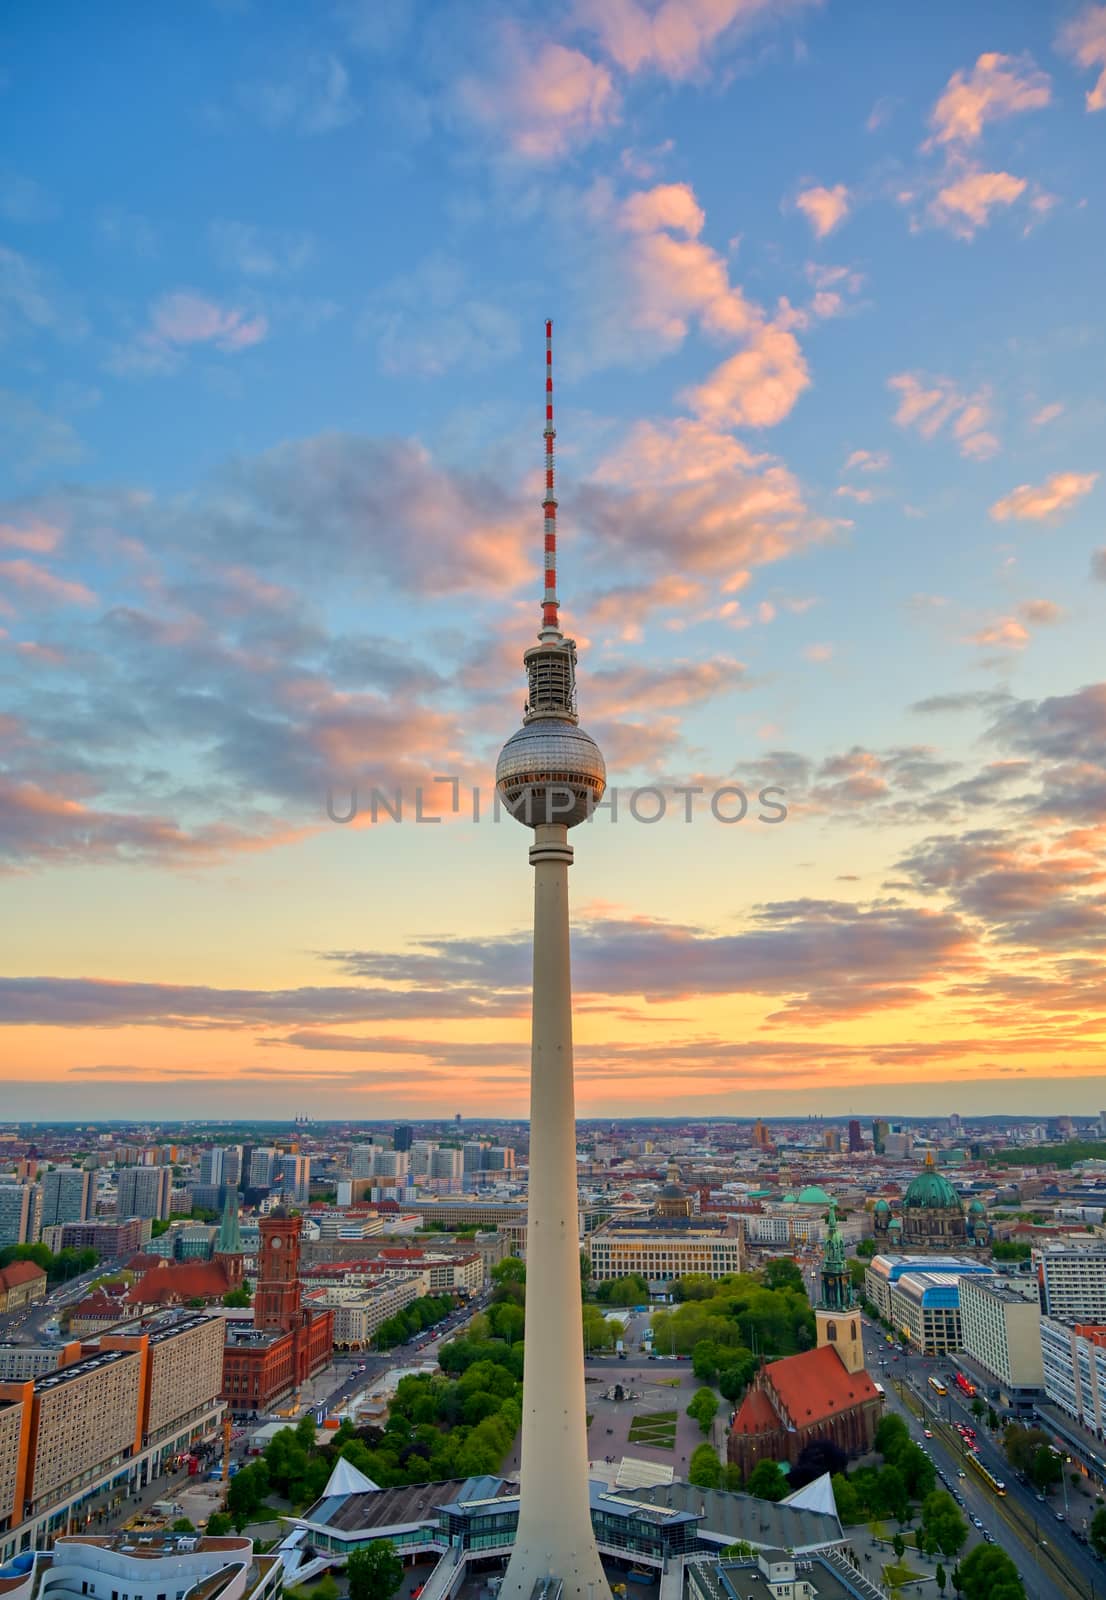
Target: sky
{"type": "Point", "coordinates": [826, 285]}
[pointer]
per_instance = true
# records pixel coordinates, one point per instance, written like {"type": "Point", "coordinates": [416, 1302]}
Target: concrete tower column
{"type": "Point", "coordinates": [555, 1538]}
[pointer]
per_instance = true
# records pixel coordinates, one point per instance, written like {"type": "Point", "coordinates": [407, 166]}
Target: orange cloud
{"type": "Point", "coordinates": [825, 209]}
{"type": "Point", "coordinates": [1041, 502]}
{"type": "Point", "coordinates": [756, 388]}
{"type": "Point", "coordinates": [671, 37]}
{"type": "Point", "coordinates": [966, 204]}
{"type": "Point", "coordinates": [1046, 414]}
{"type": "Point", "coordinates": [1007, 633]}
{"type": "Point", "coordinates": [998, 86]}
{"type": "Point", "coordinates": [668, 205]}
{"type": "Point", "coordinates": [34, 535]}
{"type": "Point", "coordinates": [1041, 612]}
{"type": "Point", "coordinates": [868, 461]}
{"type": "Point", "coordinates": [544, 100]}
{"type": "Point", "coordinates": [1084, 40]}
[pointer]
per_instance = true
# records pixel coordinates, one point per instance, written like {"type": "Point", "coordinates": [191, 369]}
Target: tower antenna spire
{"type": "Point", "coordinates": [550, 621]}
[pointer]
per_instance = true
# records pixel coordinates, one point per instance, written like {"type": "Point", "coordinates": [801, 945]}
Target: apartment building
{"type": "Point", "coordinates": [16, 1212]}
{"type": "Point", "coordinates": [359, 1310]}
{"type": "Point", "coordinates": [21, 1284]}
{"type": "Point", "coordinates": [21, 1361]}
{"type": "Point", "coordinates": [1074, 1360]}
{"type": "Point", "coordinates": [115, 1416]}
{"type": "Point", "coordinates": [660, 1252]}
{"type": "Point", "coordinates": [67, 1195]}
{"type": "Point", "coordinates": [145, 1192]}
{"type": "Point", "coordinates": [1072, 1282]}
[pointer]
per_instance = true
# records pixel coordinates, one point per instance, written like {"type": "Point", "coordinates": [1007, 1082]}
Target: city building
{"type": "Point", "coordinates": [21, 1284]}
{"type": "Point", "coordinates": [115, 1417]}
{"type": "Point", "coordinates": [932, 1217]}
{"type": "Point", "coordinates": [856, 1141]}
{"type": "Point", "coordinates": [822, 1395]}
{"type": "Point", "coordinates": [884, 1271]}
{"type": "Point", "coordinates": [287, 1342]}
{"type": "Point", "coordinates": [67, 1195]}
{"type": "Point", "coordinates": [549, 775]}
{"type": "Point", "coordinates": [20, 1361]}
{"type": "Point", "coordinates": [16, 1211]}
{"type": "Point", "coordinates": [360, 1309]}
{"type": "Point", "coordinates": [111, 1240]}
{"type": "Point", "coordinates": [1072, 1282]}
{"type": "Point", "coordinates": [145, 1192]}
{"type": "Point", "coordinates": [661, 1250]}
{"type": "Point", "coordinates": [1074, 1362]}
{"type": "Point", "coordinates": [293, 1177]}
{"type": "Point", "coordinates": [1000, 1328]}
{"type": "Point", "coordinates": [104, 1567]}
{"type": "Point", "coordinates": [262, 1167]}
{"type": "Point", "coordinates": [926, 1307]}
{"type": "Point", "coordinates": [402, 1136]}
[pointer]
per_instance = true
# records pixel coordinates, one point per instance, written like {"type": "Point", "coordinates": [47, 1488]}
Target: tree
{"type": "Point", "coordinates": [1098, 1532]}
{"type": "Point", "coordinates": [898, 1545]}
{"type": "Point", "coordinates": [703, 1408]}
{"type": "Point", "coordinates": [766, 1481]}
{"type": "Point", "coordinates": [374, 1571]}
{"type": "Point", "coordinates": [1045, 1468]}
{"type": "Point", "coordinates": [585, 1267]}
{"type": "Point", "coordinates": [782, 1272]}
{"type": "Point", "coordinates": [992, 1418]}
{"type": "Point", "coordinates": [942, 1523]}
{"type": "Point", "coordinates": [1021, 1446]}
{"type": "Point", "coordinates": [866, 1249]}
{"type": "Point", "coordinates": [239, 1297]}
{"type": "Point", "coordinates": [704, 1469]}
{"type": "Point", "coordinates": [978, 1408]}
{"type": "Point", "coordinates": [219, 1524]}
{"type": "Point", "coordinates": [704, 1361]}
{"type": "Point", "coordinates": [510, 1270]}
{"type": "Point", "coordinates": [988, 1573]}
{"type": "Point", "coordinates": [941, 1577]}
{"type": "Point", "coordinates": [182, 1525]}
{"type": "Point", "coordinates": [891, 1436]}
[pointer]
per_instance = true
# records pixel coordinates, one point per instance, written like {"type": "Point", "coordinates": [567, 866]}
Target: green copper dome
{"type": "Point", "coordinates": [814, 1196]}
{"type": "Point", "coordinates": [977, 1208]}
{"type": "Point", "coordinates": [881, 1205]}
{"type": "Point", "coordinates": [932, 1192]}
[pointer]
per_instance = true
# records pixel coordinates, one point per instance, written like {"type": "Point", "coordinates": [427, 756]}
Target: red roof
{"type": "Point", "coordinates": [816, 1385]}
{"type": "Point", "coordinates": [755, 1414]}
{"type": "Point", "coordinates": [20, 1272]}
{"type": "Point", "coordinates": [185, 1280]}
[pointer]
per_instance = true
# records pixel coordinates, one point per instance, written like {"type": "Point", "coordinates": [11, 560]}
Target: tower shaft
{"type": "Point", "coordinates": [555, 1537]}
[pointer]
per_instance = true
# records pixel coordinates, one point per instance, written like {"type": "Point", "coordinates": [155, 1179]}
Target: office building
{"type": "Point", "coordinates": [880, 1130]}
{"type": "Point", "coordinates": [1074, 1361]}
{"type": "Point", "coordinates": [1072, 1281]}
{"type": "Point", "coordinates": [145, 1192]}
{"type": "Point", "coordinates": [1000, 1326]}
{"type": "Point", "coordinates": [403, 1136]}
{"type": "Point", "coordinates": [15, 1213]}
{"type": "Point", "coordinates": [294, 1178]}
{"type": "Point", "coordinates": [211, 1166]}
{"type": "Point", "coordinates": [108, 1565]}
{"type": "Point", "coordinates": [67, 1195]}
{"type": "Point", "coordinates": [446, 1166]}
{"type": "Point", "coordinates": [262, 1168]}
{"type": "Point", "coordinates": [856, 1141]}
{"type": "Point", "coordinates": [884, 1271]}
{"type": "Point", "coordinates": [111, 1240]}
{"type": "Point", "coordinates": [21, 1361]}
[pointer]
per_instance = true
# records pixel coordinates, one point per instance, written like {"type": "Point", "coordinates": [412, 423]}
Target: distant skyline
{"type": "Point", "coordinates": [828, 316]}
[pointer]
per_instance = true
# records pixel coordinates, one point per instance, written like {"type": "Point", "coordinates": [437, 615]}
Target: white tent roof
{"type": "Point", "coordinates": [814, 1496]}
{"type": "Point", "coordinates": [346, 1479]}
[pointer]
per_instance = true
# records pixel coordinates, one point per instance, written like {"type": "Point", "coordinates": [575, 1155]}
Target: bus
{"type": "Point", "coordinates": [988, 1477]}
{"type": "Point", "coordinates": [937, 1386]}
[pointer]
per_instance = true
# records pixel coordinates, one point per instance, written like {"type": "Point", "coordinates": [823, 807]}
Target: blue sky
{"type": "Point", "coordinates": [826, 285]}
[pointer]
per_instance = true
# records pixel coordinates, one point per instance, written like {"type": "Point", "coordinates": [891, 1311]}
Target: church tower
{"type": "Point", "coordinates": [277, 1301]}
{"type": "Point", "coordinates": [836, 1315]}
{"type": "Point", "coordinates": [228, 1245]}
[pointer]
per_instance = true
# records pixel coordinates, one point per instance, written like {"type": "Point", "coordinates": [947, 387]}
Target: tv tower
{"type": "Point", "coordinates": [550, 773]}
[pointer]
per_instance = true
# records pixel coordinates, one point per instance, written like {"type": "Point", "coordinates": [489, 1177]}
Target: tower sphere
{"type": "Point", "coordinates": [551, 771]}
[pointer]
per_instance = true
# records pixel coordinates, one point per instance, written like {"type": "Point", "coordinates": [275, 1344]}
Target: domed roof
{"type": "Point", "coordinates": [814, 1196]}
{"type": "Point", "coordinates": [896, 1222]}
{"type": "Point", "coordinates": [788, 1199]}
{"type": "Point", "coordinates": [931, 1192]}
{"type": "Point", "coordinates": [882, 1205]}
{"type": "Point", "coordinates": [672, 1191]}
{"type": "Point", "coordinates": [977, 1208]}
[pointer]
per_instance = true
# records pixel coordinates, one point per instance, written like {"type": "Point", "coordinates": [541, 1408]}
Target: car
{"type": "Point", "coordinates": [988, 1536]}
{"type": "Point", "coordinates": [927, 1433]}
{"type": "Point", "coordinates": [977, 1522]}
{"type": "Point", "coordinates": [1041, 1498]}
{"type": "Point", "coordinates": [1059, 1516]}
{"type": "Point", "coordinates": [961, 1474]}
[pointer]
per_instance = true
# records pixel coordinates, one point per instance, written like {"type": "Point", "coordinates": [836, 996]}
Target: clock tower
{"type": "Point", "coordinates": [277, 1301]}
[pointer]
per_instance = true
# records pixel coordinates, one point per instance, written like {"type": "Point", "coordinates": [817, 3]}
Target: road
{"type": "Point", "coordinates": [1052, 1563]}
{"type": "Point", "coordinates": [26, 1326]}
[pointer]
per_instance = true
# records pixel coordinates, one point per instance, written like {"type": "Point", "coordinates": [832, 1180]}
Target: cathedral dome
{"type": "Point", "coordinates": [881, 1205]}
{"type": "Point", "coordinates": [672, 1191]}
{"type": "Point", "coordinates": [931, 1192]}
{"type": "Point", "coordinates": [977, 1208]}
{"type": "Point", "coordinates": [814, 1196]}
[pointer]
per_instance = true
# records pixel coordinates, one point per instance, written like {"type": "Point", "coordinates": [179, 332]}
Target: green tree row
{"type": "Point", "coordinates": [58, 1268]}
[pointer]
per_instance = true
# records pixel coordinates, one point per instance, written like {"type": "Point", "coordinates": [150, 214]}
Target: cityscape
{"type": "Point", "coordinates": [661, 438]}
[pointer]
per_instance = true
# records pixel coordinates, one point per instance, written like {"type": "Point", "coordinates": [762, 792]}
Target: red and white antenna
{"type": "Point", "coordinates": [549, 618]}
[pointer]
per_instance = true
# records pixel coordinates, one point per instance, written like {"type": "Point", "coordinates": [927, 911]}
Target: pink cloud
{"type": "Point", "coordinates": [667, 206]}
{"type": "Point", "coordinates": [186, 318]}
{"type": "Point", "coordinates": [929, 403]}
{"type": "Point", "coordinates": [1045, 501]}
{"type": "Point", "coordinates": [1046, 414]}
{"type": "Point", "coordinates": [545, 100]}
{"type": "Point", "coordinates": [1041, 612]}
{"type": "Point", "coordinates": [35, 535]}
{"type": "Point", "coordinates": [1084, 40]}
{"type": "Point", "coordinates": [825, 209]}
{"type": "Point", "coordinates": [998, 86]}
{"type": "Point", "coordinates": [673, 36]}
{"type": "Point", "coordinates": [966, 204]}
{"type": "Point", "coordinates": [38, 584]}
{"type": "Point", "coordinates": [1006, 632]}
{"type": "Point", "coordinates": [864, 497]}
{"type": "Point", "coordinates": [818, 652]}
{"type": "Point", "coordinates": [868, 461]}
